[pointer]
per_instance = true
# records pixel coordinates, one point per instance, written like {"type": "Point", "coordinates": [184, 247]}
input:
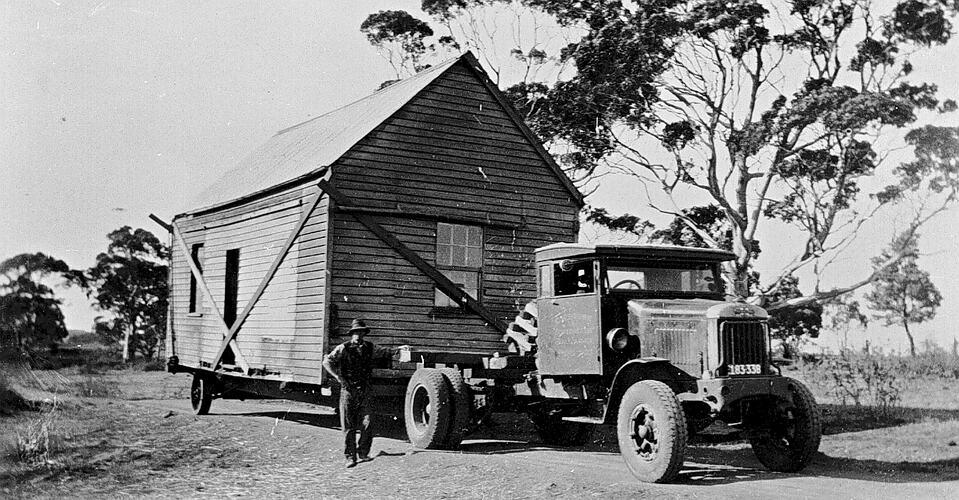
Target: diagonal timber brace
{"type": "Point", "coordinates": [201, 282]}
{"type": "Point", "coordinates": [266, 279]}
{"type": "Point", "coordinates": [441, 281]}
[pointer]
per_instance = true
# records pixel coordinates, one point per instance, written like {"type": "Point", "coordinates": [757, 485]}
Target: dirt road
{"type": "Point", "coordinates": [133, 444]}
{"type": "Point", "coordinates": [296, 451]}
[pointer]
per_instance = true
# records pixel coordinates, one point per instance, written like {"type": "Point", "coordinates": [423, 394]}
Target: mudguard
{"type": "Point", "coordinates": [645, 369]}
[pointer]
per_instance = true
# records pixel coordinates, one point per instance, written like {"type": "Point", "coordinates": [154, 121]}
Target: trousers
{"type": "Point", "coordinates": [355, 420]}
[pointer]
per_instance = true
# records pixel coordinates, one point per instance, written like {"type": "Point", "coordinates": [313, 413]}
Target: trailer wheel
{"type": "Point", "coordinates": [553, 430]}
{"type": "Point", "coordinates": [461, 400]}
{"type": "Point", "coordinates": [427, 410]}
{"type": "Point", "coordinates": [201, 394]}
{"type": "Point", "coordinates": [651, 429]}
{"type": "Point", "coordinates": [793, 433]}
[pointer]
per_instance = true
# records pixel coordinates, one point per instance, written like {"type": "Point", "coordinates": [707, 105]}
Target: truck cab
{"type": "Point", "coordinates": [645, 337]}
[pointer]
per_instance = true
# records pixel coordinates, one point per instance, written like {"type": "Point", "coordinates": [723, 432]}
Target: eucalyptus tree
{"type": "Point", "coordinates": [779, 114]}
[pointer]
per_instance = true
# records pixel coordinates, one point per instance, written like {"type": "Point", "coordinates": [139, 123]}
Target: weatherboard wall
{"type": "Point", "coordinates": [285, 331]}
{"type": "Point", "coordinates": [454, 154]}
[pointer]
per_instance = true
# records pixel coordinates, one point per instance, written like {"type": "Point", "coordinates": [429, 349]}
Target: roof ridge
{"type": "Point", "coordinates": [404, 82]}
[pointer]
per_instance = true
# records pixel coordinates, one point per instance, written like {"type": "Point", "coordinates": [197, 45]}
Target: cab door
{"type": "Point", "coordinates": [569, 339]}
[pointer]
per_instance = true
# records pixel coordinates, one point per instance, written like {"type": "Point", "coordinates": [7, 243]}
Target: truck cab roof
{"type": "Point", "coordinates": [559, 251]}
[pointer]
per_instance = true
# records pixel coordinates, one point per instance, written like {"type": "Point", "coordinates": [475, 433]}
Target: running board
{"type": "Point", "coordinates": [584, 420]}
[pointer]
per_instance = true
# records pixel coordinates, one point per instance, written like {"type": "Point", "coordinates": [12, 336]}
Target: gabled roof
{"type": "Point", "coordinates": [307, 149]}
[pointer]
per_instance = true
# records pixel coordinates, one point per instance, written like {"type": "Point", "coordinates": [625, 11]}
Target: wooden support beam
{"type": "Point", "coordinates": [231, 334]}
{"type": "Point", "coordinates": [201, 282]}
{"type": "Point", "coordinates": [442, 282]}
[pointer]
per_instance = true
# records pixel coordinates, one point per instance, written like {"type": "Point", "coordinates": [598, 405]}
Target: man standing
{"type": "Point", "coordinates": [351, 364]}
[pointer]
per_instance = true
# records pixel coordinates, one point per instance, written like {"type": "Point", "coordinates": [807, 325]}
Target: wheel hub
{"type": "Point", "coordinates": [643, 434]}
{"type": "Point", "coordinates": [422, 408]}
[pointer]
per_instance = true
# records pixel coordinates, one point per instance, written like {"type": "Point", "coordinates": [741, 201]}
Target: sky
{"type": "Point", "coordinates": [112, 110]}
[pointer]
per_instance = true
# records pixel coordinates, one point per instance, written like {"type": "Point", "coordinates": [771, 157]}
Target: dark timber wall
{"type": "Point", "coordinates": [452, 154]}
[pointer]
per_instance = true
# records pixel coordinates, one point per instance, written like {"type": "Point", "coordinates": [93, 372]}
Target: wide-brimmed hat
{"type": "Point", "coordinates": [358, 325]}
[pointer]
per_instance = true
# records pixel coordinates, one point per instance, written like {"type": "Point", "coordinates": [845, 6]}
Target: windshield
{"type": "Point", "coordinates": [672, 277]}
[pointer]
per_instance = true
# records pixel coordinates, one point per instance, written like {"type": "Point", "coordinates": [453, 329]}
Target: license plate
{"type": "Point", "coordinates": [744, 369]}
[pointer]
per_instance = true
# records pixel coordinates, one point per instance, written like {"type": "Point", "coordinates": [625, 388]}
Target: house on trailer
{"type": "Point", "coordinates": [416, 208]}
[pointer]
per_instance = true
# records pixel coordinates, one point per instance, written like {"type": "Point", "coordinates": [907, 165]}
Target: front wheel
{"type": "Point", "coordinates": [651, 429]}
{"type": "Point", "coordinates": [792, 434]}
{"type": "Point", "coordinates": [201, 394]}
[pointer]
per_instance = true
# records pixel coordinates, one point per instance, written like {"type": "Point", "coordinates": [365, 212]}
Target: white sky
{"type": "Point", "coordinates": [111, 110]}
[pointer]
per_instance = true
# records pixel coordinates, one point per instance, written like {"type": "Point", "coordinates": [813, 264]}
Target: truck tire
{"type": "Point", "coordinates": [201, 394]}
{"type": "Point", "coordinates": [427, 409]}
{"type": "Point", "coordinates": [794, 432]}
{"type": "Point", "coordinates": [462, 403]}
{"type": "Point", "coordinates": [651, 429]}
{"type": "Point", "coordinates": [555, 431]}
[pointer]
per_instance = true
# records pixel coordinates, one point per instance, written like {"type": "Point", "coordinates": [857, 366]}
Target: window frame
{"type": "Point", "coordinates": [195, 305]}
{"type": "Point", "coordinates": [449, 305]}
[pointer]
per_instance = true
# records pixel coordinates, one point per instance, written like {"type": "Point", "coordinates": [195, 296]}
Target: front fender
{"type": "Point", "coordinates": [644, 369]}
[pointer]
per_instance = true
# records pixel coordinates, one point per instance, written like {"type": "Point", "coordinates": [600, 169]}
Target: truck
{"type": "Point", "coordinates": [641, 337]}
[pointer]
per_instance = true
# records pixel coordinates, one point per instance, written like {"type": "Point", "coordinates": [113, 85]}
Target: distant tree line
{"type": "Point", "coordinates": [128, 283]}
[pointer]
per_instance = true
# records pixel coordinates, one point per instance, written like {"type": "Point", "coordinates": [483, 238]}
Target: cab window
{"type": "Point", "coordinates": [577, 278]}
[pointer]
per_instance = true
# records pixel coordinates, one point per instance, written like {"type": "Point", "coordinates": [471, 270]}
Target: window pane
{"type": "Point", "coordinates": [475, 237]}
{"type": "Point", "coordinates": [474, 257]}
{"type": "Point", "coordinates": [442, 255]}
{"type": "Point", "coordinates": [441, 300]}
{"type": "Point", "coordinates": [443, 233]}
{"type": "Point", "coordinates": [468, 281]}
{"type": "Point", "coordinates": [458, 257]}
{"type": "Point", "coordinates": [459, 235]}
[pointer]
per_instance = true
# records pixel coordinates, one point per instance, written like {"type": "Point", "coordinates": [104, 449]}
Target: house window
{"type": "Point", "coordinates": [459, 256]}
{"type": "Point", "coordinates": [232, 285]}
{"type": "Point", "coordinates": [196, 299]}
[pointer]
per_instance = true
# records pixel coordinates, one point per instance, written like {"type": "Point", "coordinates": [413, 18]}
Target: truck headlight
{"type": "Point", "coordinates": [617, 339]}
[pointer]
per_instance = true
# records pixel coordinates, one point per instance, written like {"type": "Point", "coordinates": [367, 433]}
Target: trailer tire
{"type": "Point", "coordinates": [555, 431]}
{"type": "Point", "coordinates": [201, 394]}
{"type": "Point", "coordinates": [651, 429]}
{"type": "Point", "coordinates": [462, 404]}
{"type": "Point", "coordinates": [427, 409]}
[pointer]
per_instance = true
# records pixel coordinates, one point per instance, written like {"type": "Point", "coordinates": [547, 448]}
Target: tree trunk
{"type": "Point", "coordinates": [912, 342]}
{"type": "Point", "coordinates": [127, 338]}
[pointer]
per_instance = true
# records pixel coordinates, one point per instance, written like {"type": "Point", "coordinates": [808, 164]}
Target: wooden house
{"type": "Point", "coordinates": [374, 211]}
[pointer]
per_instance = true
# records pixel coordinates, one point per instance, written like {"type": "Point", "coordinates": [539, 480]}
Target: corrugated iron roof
{"type": "Point", "coordinates": [313, 145]}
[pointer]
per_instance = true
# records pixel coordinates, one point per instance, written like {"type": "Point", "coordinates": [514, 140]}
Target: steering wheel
{"type": "Point", "coordinates": [629, 282]}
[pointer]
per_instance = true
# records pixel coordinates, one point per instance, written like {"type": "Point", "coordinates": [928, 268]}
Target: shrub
{"type": "Point", "coordinates": [153, 365]}
{"type": "Point", "coordinates": [35, 441]}
{"type": "Point", "coordinates": [859, 377]}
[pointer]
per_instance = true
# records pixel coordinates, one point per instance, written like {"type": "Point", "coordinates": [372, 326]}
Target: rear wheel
{"type": "Point", "coordinates": [427, 409]}
{"type": "Point", "coordinates": [461, 402]}
{"type": "Point", "coordinates": [553, 430]}
{"type": "Point", "coordinates": [651, 429]}
{"type": "Point", "coordinates": [792, 434]}
{"type": "Point", "coordinates": [201, 394]}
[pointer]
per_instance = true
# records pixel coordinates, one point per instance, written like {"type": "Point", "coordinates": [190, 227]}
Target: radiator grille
{"type": "Point", "coordinates": [742, 343]}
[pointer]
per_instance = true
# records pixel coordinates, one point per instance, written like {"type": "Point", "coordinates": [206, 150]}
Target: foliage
{"type": "Point", "coordinates": [30, 315]}
{"type": "Point", "coordinates": [129, 281]}
{"type": "Point", "coordinates": [401, 36]}
{"type": "Point", "coordinates": [789, 324]}
{"type": "Point", "coordinates": [859, 377]}
{"type": "Point", "coordinates": [702, 100]}
{"type": "Point", "coordinates": [903, 294]}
